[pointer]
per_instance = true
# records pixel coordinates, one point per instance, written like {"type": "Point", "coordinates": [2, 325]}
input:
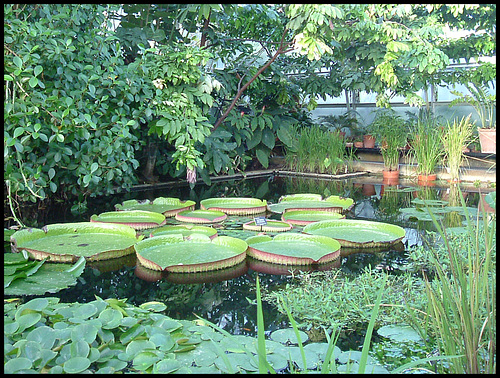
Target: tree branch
{"type": "Point", "coordinates": [281, 50]}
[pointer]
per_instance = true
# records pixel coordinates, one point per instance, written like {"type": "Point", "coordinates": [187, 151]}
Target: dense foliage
{"type": "Point", "coordinates": [101, 97]}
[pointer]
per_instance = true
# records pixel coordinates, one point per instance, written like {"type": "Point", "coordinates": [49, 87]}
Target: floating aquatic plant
{"type": "Point", "coordinates": [165, 205]}
{"type": "Point", "coordinates": [66, 242]}
{"type": "Point", "coordinates": [235, 205]}
{"type": "Point", "coordinates": [201, 216]}
{"type": "Point", "coordinates": [138, 219]}
{"type": "Point", "coordinates": [309, 201]}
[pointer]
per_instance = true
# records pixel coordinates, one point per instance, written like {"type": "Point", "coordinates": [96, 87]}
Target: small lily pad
{"type": "Point", "coordinates": [164, 205]}
{"type": "Point", "coordinates": [304, 217]}
{"type": "Point", "coordinates": [399, 333]}
{"type": "Point", "coordinates": [201, 216]}
{"type": "Point", "coordinates": [269, 226]}
{"type": "Point", "coordinates": [235, 205]}
{"type": "Point", "coordinates": [185, 230]}
{"type": "Point", "coordinates": [287, 336]}
{"type": "Point", "coordinates": [138, 219]}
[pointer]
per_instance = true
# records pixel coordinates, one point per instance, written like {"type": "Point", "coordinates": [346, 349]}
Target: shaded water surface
{"type": "Point", "coordinates": [227, 298]}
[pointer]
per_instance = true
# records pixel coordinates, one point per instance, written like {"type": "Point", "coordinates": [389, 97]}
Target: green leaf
{"type": "Point", "coordinates": [76, 365]}
{"type": "Point", "coordinates": [18, 62]}
{"type": "Point", "coordinates": [33, 82]}
{"type": "Point", "coordinates": [38, 70]}
{"type": "Point", "coordinates": [263, 157]}
{"type": "Point", "coordinates": [16, 364]}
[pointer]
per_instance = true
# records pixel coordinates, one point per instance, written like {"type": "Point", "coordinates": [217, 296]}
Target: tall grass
{"type": "Point", "coordinates": [462, 299]}
{"type": "Point", "coordinates": [427, 146]}
{"type": "Point", "coordinates": [317, 151]}
{"type": "Point", "coordinates": [455, 138]}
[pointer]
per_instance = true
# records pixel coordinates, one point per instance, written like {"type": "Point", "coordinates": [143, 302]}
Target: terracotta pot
{"type": "Point", "coordinates": [391, 175]}
{"type": "Point", "coordinates": [369, 190]}
{"type": "Point", "coordinates": [427, 180]}
{"type": "Point", "coordinates": [368, 141]}
{"type": "Point", "coordinates": [488, 140]}
{"type": "Point", "coordinates": [358, 144]}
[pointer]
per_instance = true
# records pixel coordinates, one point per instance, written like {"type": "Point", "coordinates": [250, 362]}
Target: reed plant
{"type": "Point", "coordinates": [427, 146]}
{"type": "Point", "coordinates": [318, 151]}
{"type": "Point", "coordinates": [455, 138]}
{"type": "Point", "coordinates": [462, 298]}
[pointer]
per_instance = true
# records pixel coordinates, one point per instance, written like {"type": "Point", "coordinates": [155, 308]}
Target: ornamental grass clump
{"type": "Point", "coordinates": [427, 146]}
{"type": "Point", "coordinates": [462, 299]}
{"type": "Point", "coordinates": [318, 151]}
{"type": "Point", "coordinates": [455, 138]}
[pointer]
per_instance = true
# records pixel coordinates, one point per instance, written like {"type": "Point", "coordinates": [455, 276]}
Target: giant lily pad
{"type": "Point", "coordinates": [197, 253]}
{"type": "Point", "coordinates": [164, 205]}
{"type": "Point", "coordinates": [357, 233]}
{"type": "Point", "coordinates": [286, 270]}
{"type": "Point", "coordinates": [235, 205]}
{"type": "Point", "coordinates": [201, 216]}
{"type": "Point", "coordinates": [304, 217]}
{"type": "Point", "coordinates": [270, 226]}
{"type": "Point", "coordinates": [138, 219]}
{"type": "Point", "coordinates": [66, 242]}
{"type": "Point", "coordinates": [310, 201]}
{"type": "Point", "coordinates": [185, 230]}
{"type": "Point", "coordinates": [293, 249]}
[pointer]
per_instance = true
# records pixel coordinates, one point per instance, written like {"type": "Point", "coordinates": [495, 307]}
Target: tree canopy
{"type": "Point", "coordinates": [94, 92]}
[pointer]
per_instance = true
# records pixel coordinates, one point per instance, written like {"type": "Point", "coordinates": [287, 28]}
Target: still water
{"type": "Point", "coordinates": [227, 297]}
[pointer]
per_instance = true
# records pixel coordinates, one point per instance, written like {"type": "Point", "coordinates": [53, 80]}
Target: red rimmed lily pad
{"type": "Point", "coordinates": [293, 249]}
{"type": "Point", "coordinates": [235, 205]}
{"type": "Point", "coordinates": [196, 253]}
{"type": "Point", "coordinates": [270, 226]}
{"type": "Point", "coordinates": [286, 270]}
{"type": "Point", "coordinates": [165, 205]}
{"type": "Point", "coordinates": [137, 219]}
{"type": "Point", "coordinates": [184, 230]}
{"type": "Point", "coordinates": [304, 217]}
{"type": "Point", "coordinates": [308, 201]}
{"type": "Point", "coordinates": [66, 242]}
{"type": "Point", "coordinates": [358, 233]}
{"type": "Point", "coordinates": [192, 278]}
{"type": "Point", "coordinates": [201, 216]}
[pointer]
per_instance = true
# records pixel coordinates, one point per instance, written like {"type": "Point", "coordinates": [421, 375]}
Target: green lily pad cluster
{"type": "Point", "coordinates": [111, 336]}
{"type": "Point", "coordinates": [23, 276]}
{"type": "Point", "coordinates": [167, 206]}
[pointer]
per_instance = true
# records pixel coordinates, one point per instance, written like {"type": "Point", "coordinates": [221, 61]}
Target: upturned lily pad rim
{"type": "Point", "coordinates": [235, 205]}
{"type": "Point", "coordinates": [270, 226]}
{"type": "Point", "coordinates": [150, 251]}
{"type": "Point", "coordinates": [137, 219]}
{"type": "Point", "coordinates": [394, 233]}
{"type": "Point", "coordinates": [201, 216]}
{"type": "Point", "coordinates": [168, 206]}
{"type": "Point", "coordinates": [310, 201]}
{"type": "Point", "coordinates": [21, 239]}
{"type": "Point", "coordinates": [293, 216]}
{"type": "Point", "coordinates": [287, 239]}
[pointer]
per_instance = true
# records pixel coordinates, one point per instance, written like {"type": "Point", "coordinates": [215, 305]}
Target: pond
{"type": "Point", "coordinates": [227, 298]}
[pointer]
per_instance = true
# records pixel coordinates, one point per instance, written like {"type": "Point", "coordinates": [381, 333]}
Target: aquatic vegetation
{"type": "Point", "coordinates": [304, 217]}
{"type": "Point", "coordinates": [66, 242]}
{"type": "Point", "coordinates": [195, 253]}
{"type": "Point", "coordinates": [357, 233]}
{"type": "Point", "coordinates": [138, 219]}
{"type": "Point", "coordinates": [25, 277]}
{"type": "Point", "coordinates": [235, 205]}
{"type": "Point", "coordinates": [201, 216]}
{"type": "Point", "coordinates": [310, 201]}
{"type": "Point", "coordinates": [269, 225]}
{"type": "Point", "coordinates": [165, 205]}
{"type": "Point", "coordinates": [293, 249]}
{"type": "Point", "coordinates": [184, 230]}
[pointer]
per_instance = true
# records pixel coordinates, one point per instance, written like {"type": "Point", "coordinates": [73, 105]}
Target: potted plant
{"type": "Point", "coordinates": [426, 148]}
{"type": "Point", "coordinates": [455, 137]}
{"type": "Point", "coordinates": [485, 106]}
{"type": "Point", "coordinates": [391, 133]}
{"type": "Point", "coordinates": [340, 122]}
